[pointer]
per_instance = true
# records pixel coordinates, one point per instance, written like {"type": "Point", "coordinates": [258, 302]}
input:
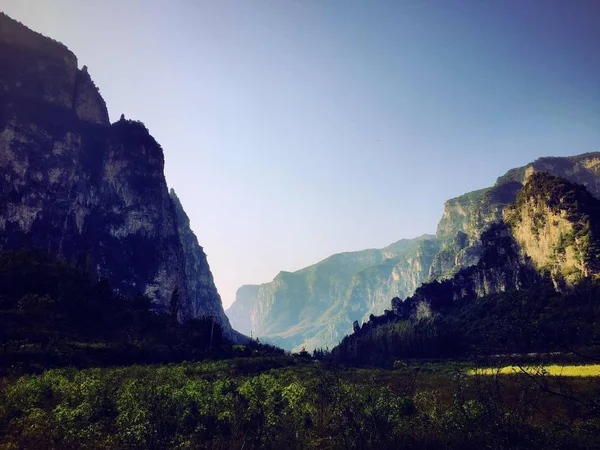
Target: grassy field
{"type": "Point", "coordinates": [588, 370]}
{"type": "Point", "coordinates": [284, 402]}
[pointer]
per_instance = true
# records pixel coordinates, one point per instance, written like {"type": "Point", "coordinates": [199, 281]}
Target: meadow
{"type": "Point", "coordinates": [289, 402]}
{"type": "Point", "coordinates": [84, 368]}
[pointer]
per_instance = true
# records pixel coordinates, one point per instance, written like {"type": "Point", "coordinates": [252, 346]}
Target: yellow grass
{"type": "Point", "coordinates": [591, 370]}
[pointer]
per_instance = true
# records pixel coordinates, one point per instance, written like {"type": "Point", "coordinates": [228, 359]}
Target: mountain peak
{"type": "Point", "coordinates": [87, 191]}
{"type": "Point", "coordinates": [41, 72]}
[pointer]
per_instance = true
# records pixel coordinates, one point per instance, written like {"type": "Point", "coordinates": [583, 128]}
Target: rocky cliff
{"type": "Point", "coordinates": [557, 225]}
{"type": "Point", "coordinates": [240, 312]}
{"type": "Point", "coordinates": [394, 277]}
{"type": "Point", "coordinates": [37, 70]}
{"type": "Point", "coordinates": [200, 283]}
{"type": "Point", "coordinates": [552, 231]}
{"type": "Point", "coordinates": [316, 306]}
{"type": "Point", "coordinates": [467, 216]}
{"type": "Point", "coordinates": [502, 266]}
{"type": "Point", "coordinates": [534, 289]}
{"type": "Point", "coordinates": [86, 190]}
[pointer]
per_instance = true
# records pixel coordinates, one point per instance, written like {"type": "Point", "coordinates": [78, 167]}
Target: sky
{"type": "Point", "coordinates": [295, 129]}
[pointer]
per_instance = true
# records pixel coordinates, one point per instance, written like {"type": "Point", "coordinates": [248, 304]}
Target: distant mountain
{"type": "Point", "coordinates": [88, 191]}
{"type": "Point", "coordinates": [316, 306]}
{"type": "Point", "coordinates": [535, 287]}
{"type": "Point", "coordinates": [240, 311]}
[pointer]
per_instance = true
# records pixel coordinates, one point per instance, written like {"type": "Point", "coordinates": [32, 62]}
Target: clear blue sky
{"type": "Point", "coordinates": [294, 129]}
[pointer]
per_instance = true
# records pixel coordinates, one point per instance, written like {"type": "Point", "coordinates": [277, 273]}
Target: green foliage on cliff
{"type": "Point", "coordinates": [298, 316]}
{"type": "Point", "coordinates": [315, 306]}
{"type": "Point", "coordinates": [573, 202]}
{"type": "Point", "coordinates": [473, 212]}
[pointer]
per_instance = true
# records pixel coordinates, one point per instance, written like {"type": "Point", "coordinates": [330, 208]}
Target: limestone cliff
{"type": "Point", "coordinates": [551, 231]}
{"type": "Point", "coordinates": [201, 288]}
{"type": "Point", "coordinates": [557, 225]}
{"type": "Point", "coordinates": [315, 307]}
{"type": "Point", "coordinates": [502, 267]}
{"type": "Point", "coordinates": [240, 311]}
{"type": "Point", "coordinates": [371, 289]}
{"type": "Point", "coordinates": [83, 189]}
{"type": "Point", "coordinates": [472, 213]}
{"type": "Point", "coordinates": [37, 70]}
{"type": "Point", "coordinates": [547, 246]}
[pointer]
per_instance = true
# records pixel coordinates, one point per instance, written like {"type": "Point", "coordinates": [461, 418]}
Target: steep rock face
{"type": "Point", "coordinates": [557, 225]}
{"type": "Point", "coordinates": [36, 69]}
{"type": "Point", "coordinates": [93, 194]}
{"type": "Point", "coordinates": [241, 310]}
{"type": "Point", "coordinates": [472, 213]}
{"type": "Point", "coordinates": [201, 288]}
{"type": "Point", "coordinates": [83, 189]}
{"type": "Point", "coordinates": [455, 254]}
{"type": "Point", "coordinates": [87, 102]}
{"type": "Point", "coordinates": [460, 243]}
{"type": "Point", "coordinates": [502, 267]}
{"type": "Point", "coordinates": [277, 307]}
{"type": "Point", "coordinates": [371, 289]}
{"type": "Point", "coordinates": [552, 230]}
{"type": "Point", "coordinates": [315, 307]}
{"type": "Point", "coordinates": [549, 237]}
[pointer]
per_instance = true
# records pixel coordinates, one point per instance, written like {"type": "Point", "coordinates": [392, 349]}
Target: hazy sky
{"type": "Point", "coordinates": [296, 129]}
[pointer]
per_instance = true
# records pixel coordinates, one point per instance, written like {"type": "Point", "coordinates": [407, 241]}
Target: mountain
{"type": "Point", "coordinates": [467, 216]}
{"type": "Point", "coordinates": [240, 311]}
{"type": "Point", "coordinates": [200, 283]}
{"type": "Point", "coordinates": [290, 312]}
{"type": "Point", "coordinates": [91, 192]}
{"type": "Point", "coordinates": [544, 250]}
{"type": "Point", "coordinates": [557, 225]}
{"type": "Point", "coordinates": [316, 306]}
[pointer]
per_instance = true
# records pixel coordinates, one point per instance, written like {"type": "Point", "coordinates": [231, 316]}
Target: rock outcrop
{"type": "Point", "coordinates": [394, 277]}
{"type": "Point", "coordinates": [472, 213]}
{"type": "Point", "coordinates": [557, 225]}
{"type": "Point", "coordinates": [552, 231]}
{"type": "Point", "coordinates": [36, 69]}
{"type": "Point", "coordinates": [200, 283]}
{"type": "Point", "coordinates": [502, 267]}
{"type": "Point", "coordinates": [85, 190]}
{"type": "Point", "coordinates": [240, 311]}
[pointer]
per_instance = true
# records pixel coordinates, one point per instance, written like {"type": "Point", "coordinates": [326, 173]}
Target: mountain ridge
{"type": "Point", "coordinates": [91, 192]}
{"type": "Point", "coordinates": [548, 241]}
{"type": "Point", "coordinates": [328, 279]}
{"type": "Point", "coordinates": [458, 240]}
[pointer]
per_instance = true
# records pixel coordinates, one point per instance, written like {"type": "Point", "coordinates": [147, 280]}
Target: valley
{"type": "Point", "coordinates": [113, 333]}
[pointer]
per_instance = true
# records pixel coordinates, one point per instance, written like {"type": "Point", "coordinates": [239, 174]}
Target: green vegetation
{"type": "Point", "coordinates": [310, 308]}
{"type": "Point", "coordinates": [85, 368]}
{"type": "Point", "coordinates": [239, 404]}
{"type": "Point", "coordinates": [537, 319]}
{"type": "Point", "coordinates": [53, 314]}
{"type": "Point", "coordinates": [572, 201]}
